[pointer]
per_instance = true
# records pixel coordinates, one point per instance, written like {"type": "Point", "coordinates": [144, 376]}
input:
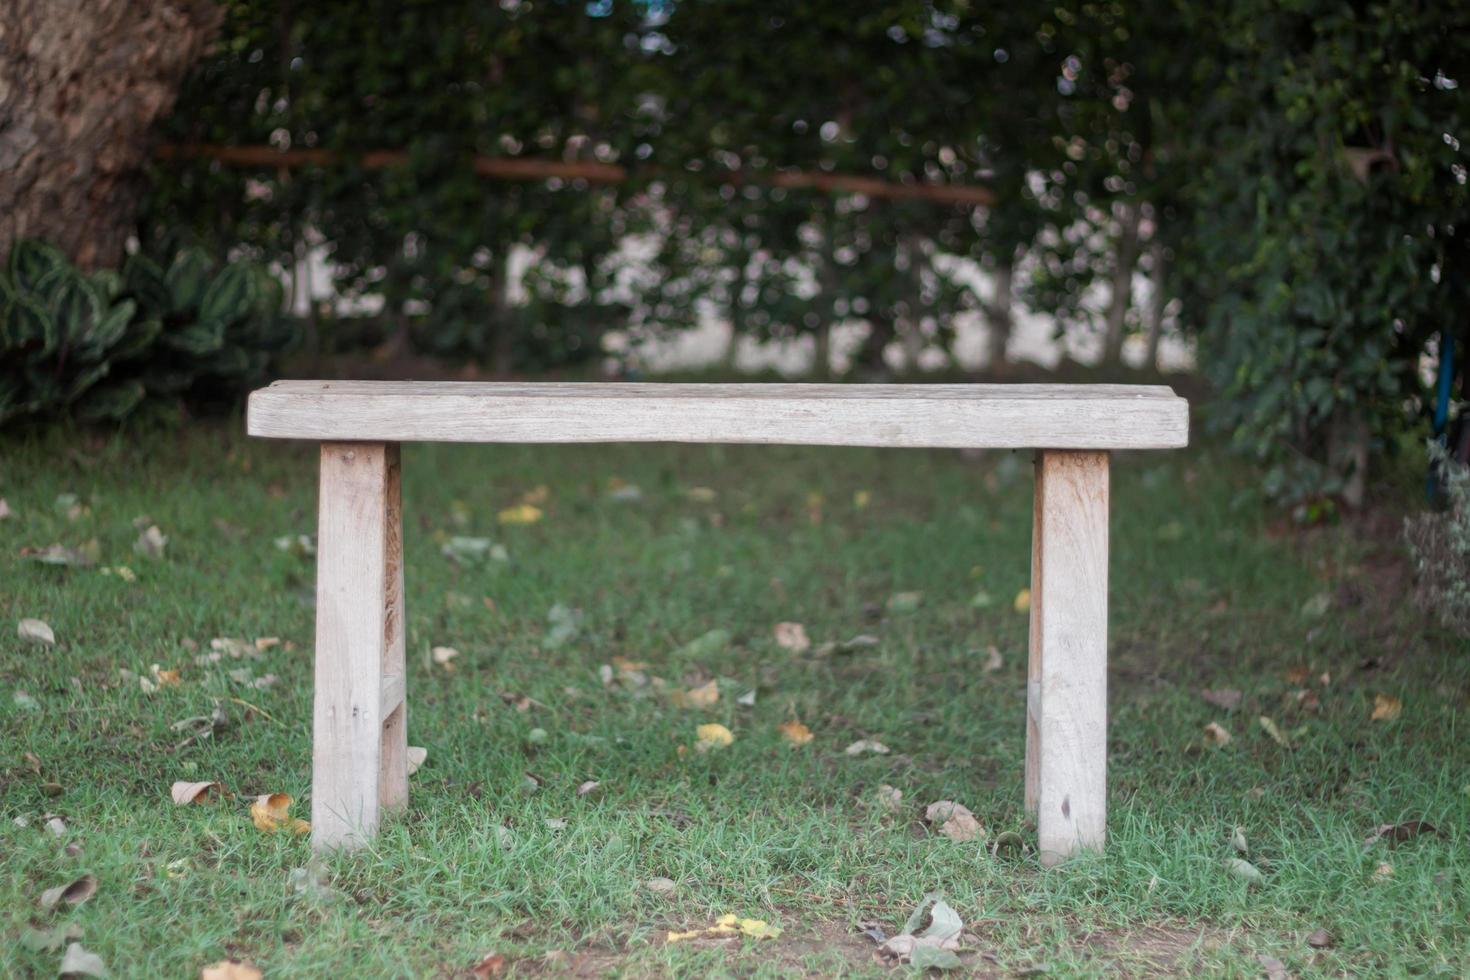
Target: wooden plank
{"type": "Point", "coordinates": [1069, 649]}
{"type": "Point", "coordinates": [1033, 659]}
{"type": "Point", "coordinates": [352, 626]}
{"type": "Point", "coordinates": [917, 416]}
{"type": "Point", "coordinates": [393, 765]}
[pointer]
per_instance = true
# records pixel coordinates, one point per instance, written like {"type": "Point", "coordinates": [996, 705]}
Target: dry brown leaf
{"type": "Point", "coordinates": [1320, 939]}
{"type": "Point", "coordinates": [415, 758]}
{"type": "Point", "coordinates": [589, 787]}
{"type": "Point", "coordinates": [1022, 602]}
{"type": "Point", "coordinates": [792, 636]}
{"type": "Point", "coordinates": [230, 970]}
{"type": "Point", "coordinates": [264, 643]}
{"type": "Point", "coordinates": [1297, 675]}
{"type": "Point", "coordinates": [1216, 735]}
{"type": "Point", "coordinates": [1398, 833]}
{"type": "Point", "coordinates": [271, 812]}
{"type": "Point", "coordinates": [444, 656]}
{"type": "Point", "coordinates": [72, 893]}
{"type": "Point", "coordinates": [867, 745]}
{"type": "Point", "coordinates": [954, 820]}
{"type": "Point", "coordinates": [890, 798]}
{"type": "Point", "coordinates": [491, 965]}
{"type": "Point", "coordinates": [698, 697]}
{"type": "Point", "coordinates": [993, 661]}
{"type": "Point", "coordinates": [1225, 697]}
{"type": "Point", "coordinates": [196, 792]}
{"type": "Point", "coordinates": [795, 732]}
{"type": "Point", "coordinates": [1386, 707]}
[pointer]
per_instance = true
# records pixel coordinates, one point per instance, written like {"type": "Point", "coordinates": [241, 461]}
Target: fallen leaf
{"type": "Point", "coordinates": [993, 661]}
{"type": "Point", "coordinates": [270, 813]}
{"type": "Point", "coordinates": [1275, 969]}
{"type": "Point", "coordinates": [78, 962]}
{"type": "Point", "coordinates": [50, 940]}
{"type": "Point", "coordinates": [1225, 697]}
{"type": "Point", "coordinates": [151, 542]}
{"type": "Point", "coordinates": [1245, 871]}
{"type": "Point", "coordinates": [1397, 833]}
{"type": "Point", "coordinates": [795, 732]}
{"type": "Point", "coordinates": [934, 947]}
{"type": "Point", "coordinates": [25, 702]}
{"type": "Point", "coordinates": [230, 970]}
{"type": "Point", "coordinates": [904, 602]}
{"type": "Point", "coordinates": [698, 697]}
{"type": "Point", "coordinates": [56, 827]}
{"type": "Point", "coordinates": [860, 500]}
{"type": "Point", "coordinates": [710, 644]}
{"type": "Point", "coordinates": [72, 893]}
{"type": "Point", "coordinates": [866, 745]}
{"type": "Point", "coordinates": [443, 656]}
{"type": "Point", "coordinates": [415, 757]}
{"type": "Point", "coordinates": [589, 788]}
{"type": "Point", "coordinates": [712, 736]}
{"type": "Point", "coordinates": [1269, 727]}
{"type": "Point", "coordinates": [728, 925]}
{"type": "Point", "coordinates": [792, 636]}
{"type": "Point", "coordinates": [660, 886]}
{"type": "Point", "coordinates": [954, 820]}
{"type": "Point", "coordinates": [1383, 872]}
{"type": "Point", "coordinates": [565, 623]}
{"type": "Point", "coordinates": [55, 554]}
{"type": "Point", "coordinates": [1216, 735]}
{"type": "Point", "coordinates": [555, 823]}
{"type": "Point", "coordinates": [1307, 700]}
{"type": "Point", "coordinates": [490, 965]}
{"type": "Point", "coordinates": [5, 512]}
{"type": "Point", "coordinates": [1318, 605]}
{"type": "Point", "coordinates": [184, 793]}
{"type": "Point", "coordinates": [1320, 939]}
{"type": "Point", "coordinates": [36, 631]}
{"type": "Point", "coordinates": [521, 514]}
{"type": "Point", "coordinates": [1386, 707]}
{"type": "Point", "coordinates": [890, 798]}
{"type": "Point", "coordinates": [1022, 602]}
{"type": "Point", "coordinates": [1237, 841]}
{"type": "Point", "coordinates": [473, 551]}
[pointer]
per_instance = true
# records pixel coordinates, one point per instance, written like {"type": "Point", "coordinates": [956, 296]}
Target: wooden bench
{"type": "Point", "coordinates": [359, 743]}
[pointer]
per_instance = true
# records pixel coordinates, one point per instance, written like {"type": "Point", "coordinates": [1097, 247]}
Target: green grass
{"type": "Point", "coordinates": [1204, 593]}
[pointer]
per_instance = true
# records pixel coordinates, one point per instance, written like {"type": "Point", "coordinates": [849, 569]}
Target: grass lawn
{"type": "Point", "coordinates": [498, 852]}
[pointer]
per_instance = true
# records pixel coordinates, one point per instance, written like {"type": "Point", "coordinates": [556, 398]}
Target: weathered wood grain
{"type": "Point", "coordinates": [1066, 751]}
{"type": "Point", "coordinates": [916, 416]}
{"type": "Point", "coordinates": [359, 620]}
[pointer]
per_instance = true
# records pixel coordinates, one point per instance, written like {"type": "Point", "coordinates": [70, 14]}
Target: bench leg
{"type": "Point", "coordinates": [1067, 700]}
{"type": "Point", "coordinates": [359, 762]}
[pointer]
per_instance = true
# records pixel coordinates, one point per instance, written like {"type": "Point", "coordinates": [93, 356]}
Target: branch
{"type": "Point", "coordinates": [525, 168]}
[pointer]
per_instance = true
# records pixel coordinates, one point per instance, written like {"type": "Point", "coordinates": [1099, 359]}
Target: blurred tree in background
{"type": "Point", "coordinates": [1282, 184]}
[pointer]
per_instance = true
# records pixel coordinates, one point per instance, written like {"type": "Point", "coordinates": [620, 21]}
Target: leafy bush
{"type": "Point", "coordinates": [1440, 543]}
{"type": "Point", "coordinates": [97, 345]}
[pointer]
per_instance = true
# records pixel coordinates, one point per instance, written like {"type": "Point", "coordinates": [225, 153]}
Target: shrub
{"type": "Point", "coordinates": [96, 346]}
{"type": "Point", "coordinates": [1440, 543]}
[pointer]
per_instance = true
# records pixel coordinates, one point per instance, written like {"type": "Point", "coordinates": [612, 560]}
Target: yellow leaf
{"type": "Point", "coordinates": [676, 937]}
{"type": "Point", "coordinates": [271, 812]}
{"type": "Point", "coordinates": [795, 732]}
{"type": "Point", "coordinates": [229, 970]}
{"type": "Point", "coordinates": [1023, 601]}
{"type": "Point", "coordinates": [862, 499]}
{"type": "Point", "coordinates": [702, 696]}
{"type": "Point", "coordinates": [1386, 707]}
{"type": "Point", "coordinates": [712, 736]}
{"type": "Point", "coordinates": [521, 514]}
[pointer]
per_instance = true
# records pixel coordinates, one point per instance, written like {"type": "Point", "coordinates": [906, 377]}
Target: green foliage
{"type": "Point", "coordinates": [1440, 543]}
{"type": "Point", "coordinates": [97, 346]}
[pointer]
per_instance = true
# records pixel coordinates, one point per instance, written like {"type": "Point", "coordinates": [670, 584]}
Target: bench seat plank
{"type": "Point", "coordinates": [1005, 416]}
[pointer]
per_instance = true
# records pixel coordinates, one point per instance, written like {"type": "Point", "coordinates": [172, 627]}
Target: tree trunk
{"type": "Point", "coordinates": [998, 317]}
{"type": "Point", "coordinates": [1158, 300]}
{"type": "Point", "coordinates": [81, 84]}
{"type": "Point", "coordinates": [1126, 257]}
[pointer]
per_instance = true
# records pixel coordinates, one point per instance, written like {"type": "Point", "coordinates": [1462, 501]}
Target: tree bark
{"type": "Point", "coordinates": [1125, 258]}
{"type": "Point", "coordinates": [1158, 302]}
{"type": "Point", "coordinates": [81, 84]}
{"type": "Point", "coordinates": [999, 318]}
